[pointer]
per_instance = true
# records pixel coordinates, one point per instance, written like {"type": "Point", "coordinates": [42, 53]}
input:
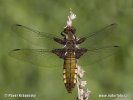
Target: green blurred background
{"type": "Point", "coordinates": [50, 16]}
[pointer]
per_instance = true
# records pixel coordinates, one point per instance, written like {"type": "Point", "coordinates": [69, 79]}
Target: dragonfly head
{"type": "Point", "coordinates": [69, 30]}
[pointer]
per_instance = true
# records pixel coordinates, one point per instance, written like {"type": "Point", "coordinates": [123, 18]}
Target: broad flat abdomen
{"type": "Point", "coordinates": [70, 72]}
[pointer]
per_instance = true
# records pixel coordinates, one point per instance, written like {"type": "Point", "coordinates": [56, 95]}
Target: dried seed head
{"type": "Point", "coordinates": [71, 17]}
{"type": "Point", "coordinates": [80, 72]}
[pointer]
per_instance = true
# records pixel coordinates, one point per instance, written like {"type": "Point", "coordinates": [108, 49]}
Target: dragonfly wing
{"type": "Point", "coordinates": [94, 56]}
{"type": "Point", "coordinates": [103, 37]}
{"type": "Point", "coordinates": [34, 36]}
{"type": "Point", "coordinates": [39, 57]}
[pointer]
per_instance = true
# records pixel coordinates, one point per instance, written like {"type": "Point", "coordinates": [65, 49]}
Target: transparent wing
{"type": "Point", "coordinates": [35, 37]}
{"type": "Point", "coordinates": [39, 57]}
{"type": "Point", "coordinates": [94, 56]}
{"type": "Point", "coordinates": [101, 38]}
{"type": "Point", "coordinates": [101, 45]}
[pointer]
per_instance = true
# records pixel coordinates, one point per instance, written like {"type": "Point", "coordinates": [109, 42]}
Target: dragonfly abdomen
{"type": "Point", "coordinates": [70, 72]}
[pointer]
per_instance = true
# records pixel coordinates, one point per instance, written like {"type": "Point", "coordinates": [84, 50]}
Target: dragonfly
{"type": "Point", "coordinates": [65, 49]}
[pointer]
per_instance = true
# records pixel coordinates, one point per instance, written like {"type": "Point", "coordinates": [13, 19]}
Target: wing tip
{"type": "Point", "coordinates": [18, 25]}
{"type": "Point", "coordinates": [10, 52]}
{"type": "Point", "coordinates": [113, 24]}
{"type": "Point", "coordinates": [13, 27]}
{"type": "Point", "coordinates": [116, 46]}
{"type": "Point", "coordinates": [15, 49]}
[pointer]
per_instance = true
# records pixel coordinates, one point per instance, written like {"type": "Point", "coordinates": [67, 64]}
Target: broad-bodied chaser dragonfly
{"type": "Point", "coordinates": [72, 49]}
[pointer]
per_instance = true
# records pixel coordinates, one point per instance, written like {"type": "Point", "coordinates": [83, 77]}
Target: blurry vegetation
{"type": "Point", "coordinates": [50, 16]}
